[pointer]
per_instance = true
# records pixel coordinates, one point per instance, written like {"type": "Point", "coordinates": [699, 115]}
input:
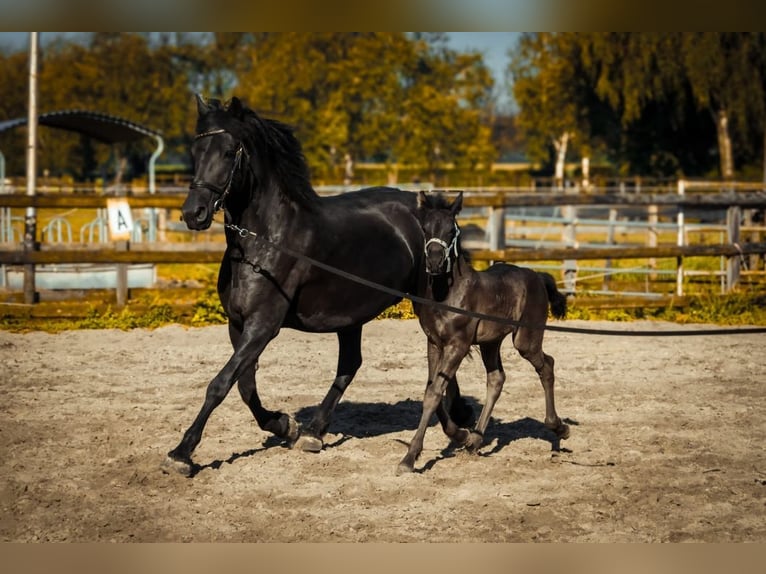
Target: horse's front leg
{"type": "Point", "coordinates": [275, 422]}
{"type": "Point", "coordinates": [250, 345]}
{"type": "Point", "coordinates": [444, 370]}
{"type": "Point", "coordinates": [349, 361]}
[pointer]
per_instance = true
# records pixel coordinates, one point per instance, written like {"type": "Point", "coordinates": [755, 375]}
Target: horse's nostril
{"type": "Point", "coordinates": [201, 213]}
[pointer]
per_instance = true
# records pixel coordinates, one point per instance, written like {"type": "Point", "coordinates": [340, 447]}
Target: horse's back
{"type": "Point", "coordinates": [372, 197]}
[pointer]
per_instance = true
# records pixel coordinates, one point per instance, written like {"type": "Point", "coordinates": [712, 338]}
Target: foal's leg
{"type": "Point", "coordinates": [349, 361]}
{"type": "Point", "coordinates": [490, 355]}
{"type": "Point", "coordinates": [444, 370]}
{"type": "Point", "coordinates": [457, 407]}
{"type": "Point", "coordinates": [451, 402]}
{"type": "Point", "coordinates": [529, 345]}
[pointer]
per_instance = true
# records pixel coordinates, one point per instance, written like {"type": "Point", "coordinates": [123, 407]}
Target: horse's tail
{"type": "Point", "coordinates": [556, 298]}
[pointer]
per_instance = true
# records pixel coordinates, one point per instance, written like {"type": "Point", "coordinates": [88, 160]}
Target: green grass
{"type": "Point", "coordinates": [733, 309]}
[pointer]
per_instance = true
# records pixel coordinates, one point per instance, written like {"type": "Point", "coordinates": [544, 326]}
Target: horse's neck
{"type": "Point", "coordinates": [269, 213]}
{"type": "Point", "coordinates": [441, 287]}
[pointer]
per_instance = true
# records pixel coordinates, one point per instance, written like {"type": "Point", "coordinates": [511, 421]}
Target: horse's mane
{"type": "Point", "coordinates": [273, 143]}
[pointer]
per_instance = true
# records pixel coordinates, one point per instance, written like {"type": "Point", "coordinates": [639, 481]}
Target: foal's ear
{"type": "Point", "coordinates": [422, 199]}
{"type": "Point", "coordinates": [202, 107]}
{"type": "Point", "coordinates": [457, 205]}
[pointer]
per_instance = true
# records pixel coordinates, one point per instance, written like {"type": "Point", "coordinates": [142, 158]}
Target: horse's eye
{"type": "Point", "coordinates": [229, 153]}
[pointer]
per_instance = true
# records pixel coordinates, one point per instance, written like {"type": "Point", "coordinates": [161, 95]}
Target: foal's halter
{"type": "Point", "coordinates": [448, 248]}
{"type": "Point", "coordinates": [222, 192]}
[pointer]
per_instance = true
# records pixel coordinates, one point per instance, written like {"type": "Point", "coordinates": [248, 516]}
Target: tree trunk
{"type": "Point", "coordinates": [560, 145]}
{"type": "Point", "coordinates": [724, 144]}
{"type": "Point", "coordinates": [585, 173]}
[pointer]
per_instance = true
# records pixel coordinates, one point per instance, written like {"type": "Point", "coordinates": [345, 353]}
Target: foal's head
{"type": "Point", "coordinates": [437, 218]}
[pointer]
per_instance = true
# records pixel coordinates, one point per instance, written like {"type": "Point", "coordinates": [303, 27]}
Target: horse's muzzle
{"type": "Point", "coordinates": [197, 216]}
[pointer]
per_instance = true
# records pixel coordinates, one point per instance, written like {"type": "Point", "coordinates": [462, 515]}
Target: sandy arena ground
{"type": "Point", "coordinates": [667, 442]}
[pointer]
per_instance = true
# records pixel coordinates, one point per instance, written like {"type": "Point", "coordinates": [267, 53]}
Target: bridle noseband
{"type": "Point", "coordinates": [222, 192]}
{"type": "Point", "coordinates": [451, 247]}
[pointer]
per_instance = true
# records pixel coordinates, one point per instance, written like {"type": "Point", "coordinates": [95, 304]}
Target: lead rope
{"type": "Point", "coordinates": [243, 233]}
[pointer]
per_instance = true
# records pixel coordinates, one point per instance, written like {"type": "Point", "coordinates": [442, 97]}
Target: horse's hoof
{"type": "Point", "coordinates": [171, 465]}
{"type": "Point", "coordinates": [562, 431]}
{"type": "Point", "coordinates": [404, 468]}
{"type": "Point", "coordinates": [308, 443]}
{"type": "Point", "coordinates": [474, 442]}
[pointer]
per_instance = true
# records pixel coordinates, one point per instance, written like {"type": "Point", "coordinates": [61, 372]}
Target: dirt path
{"type": "Point", "coordinates": [667, 442]}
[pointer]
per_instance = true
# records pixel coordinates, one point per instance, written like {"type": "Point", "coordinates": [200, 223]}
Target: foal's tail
{"type": "Point", "coordinates": [556, 298]}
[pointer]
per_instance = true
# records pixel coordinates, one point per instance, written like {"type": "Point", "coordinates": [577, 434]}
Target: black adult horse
{"type": "Point", "coordinates": [253, 168]}
{"type": "Point", "coordinates": [519, 296]}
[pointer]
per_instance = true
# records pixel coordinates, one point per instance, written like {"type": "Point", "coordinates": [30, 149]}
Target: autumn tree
{"type": "Point", "coordinates": [115, 73]}
{"type": "Point", "coordinates": [655, 85]}
{"type": "Point", "coordinates": [14, 74]}
{"type": "Point", "coordinates": [550, 96]}
{"type": "Point", "coordinates": [727, 75]}
{"type": "Point", "coordinates": [390, 97]}
{"type": "Point", "coordinates": [371, 96]}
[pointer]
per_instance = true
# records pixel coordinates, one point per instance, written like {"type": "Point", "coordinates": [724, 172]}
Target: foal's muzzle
{"type": "Point", "coordinates": [439, 254]}
{"type": "Point", "coordinates": [437, 257]}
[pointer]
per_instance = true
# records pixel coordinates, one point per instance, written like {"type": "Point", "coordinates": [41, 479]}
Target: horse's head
{"type": "Point", "coordinates": [437, 218]}
{"type": "Point", "coordinates": [219, 160]}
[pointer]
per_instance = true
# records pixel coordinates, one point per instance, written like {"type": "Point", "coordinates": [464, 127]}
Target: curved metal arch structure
{"type": "Point", "coordinates": [105, 128]}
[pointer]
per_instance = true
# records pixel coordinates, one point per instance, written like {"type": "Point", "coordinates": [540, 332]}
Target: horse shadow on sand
{"type": "Point", "coordinates": [359, 420]}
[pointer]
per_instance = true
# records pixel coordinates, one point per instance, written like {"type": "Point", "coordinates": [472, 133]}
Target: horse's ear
{"type": "Point", "coordinates": [457, 205]}
{"type": "Point", "coordinates": [235, 107]}
{"type": "Point", "coordinates": [202, 107]}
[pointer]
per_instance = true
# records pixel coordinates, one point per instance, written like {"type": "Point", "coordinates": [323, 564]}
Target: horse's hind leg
{"type": "Point", "coordinates": [490, 355]}
{"type": "Point", "coordinates": [543, 364]}
{"type": "Point", "coordinates": [349, 361]}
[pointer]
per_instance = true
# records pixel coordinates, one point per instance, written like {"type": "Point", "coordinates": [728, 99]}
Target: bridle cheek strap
{"type": "Point", "coordinates": [448, 248]}
{"type": "Point", "coordinates": [222, 192]}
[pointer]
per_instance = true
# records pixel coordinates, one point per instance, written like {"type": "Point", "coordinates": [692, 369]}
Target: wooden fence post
{"type": "Point", "coordinates": [610, 239]}
{"type": "Point", "coordinates": [569, 238]}
{"type": "Point", "coordinates": [733, 216]}
{"type": "Point", "coordinates": [121, 285]}
{"type": "Point", "coordinates": [496, 228]}
{"type": "Point", "coordinates": [680, 241]}
{"type": "Point", "coordinates": [652, 217]}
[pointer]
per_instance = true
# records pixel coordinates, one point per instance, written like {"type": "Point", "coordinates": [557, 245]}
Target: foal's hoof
{"type": "Point", "coordinates": [171, 465]}
{"type": "Point", "coordinates": [562, 432]}
{"type": "Point", "coordinates": [404, 468]}
{"type": "Point", "coordinates": [293, 430]}
{"type": "Point", "coordinates": [474, 442]}
{"type": "Point", "coordinates": [308, 443]}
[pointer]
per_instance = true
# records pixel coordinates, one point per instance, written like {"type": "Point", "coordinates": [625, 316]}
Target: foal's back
{"type": "Point", "coordinates": [508, 291]}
